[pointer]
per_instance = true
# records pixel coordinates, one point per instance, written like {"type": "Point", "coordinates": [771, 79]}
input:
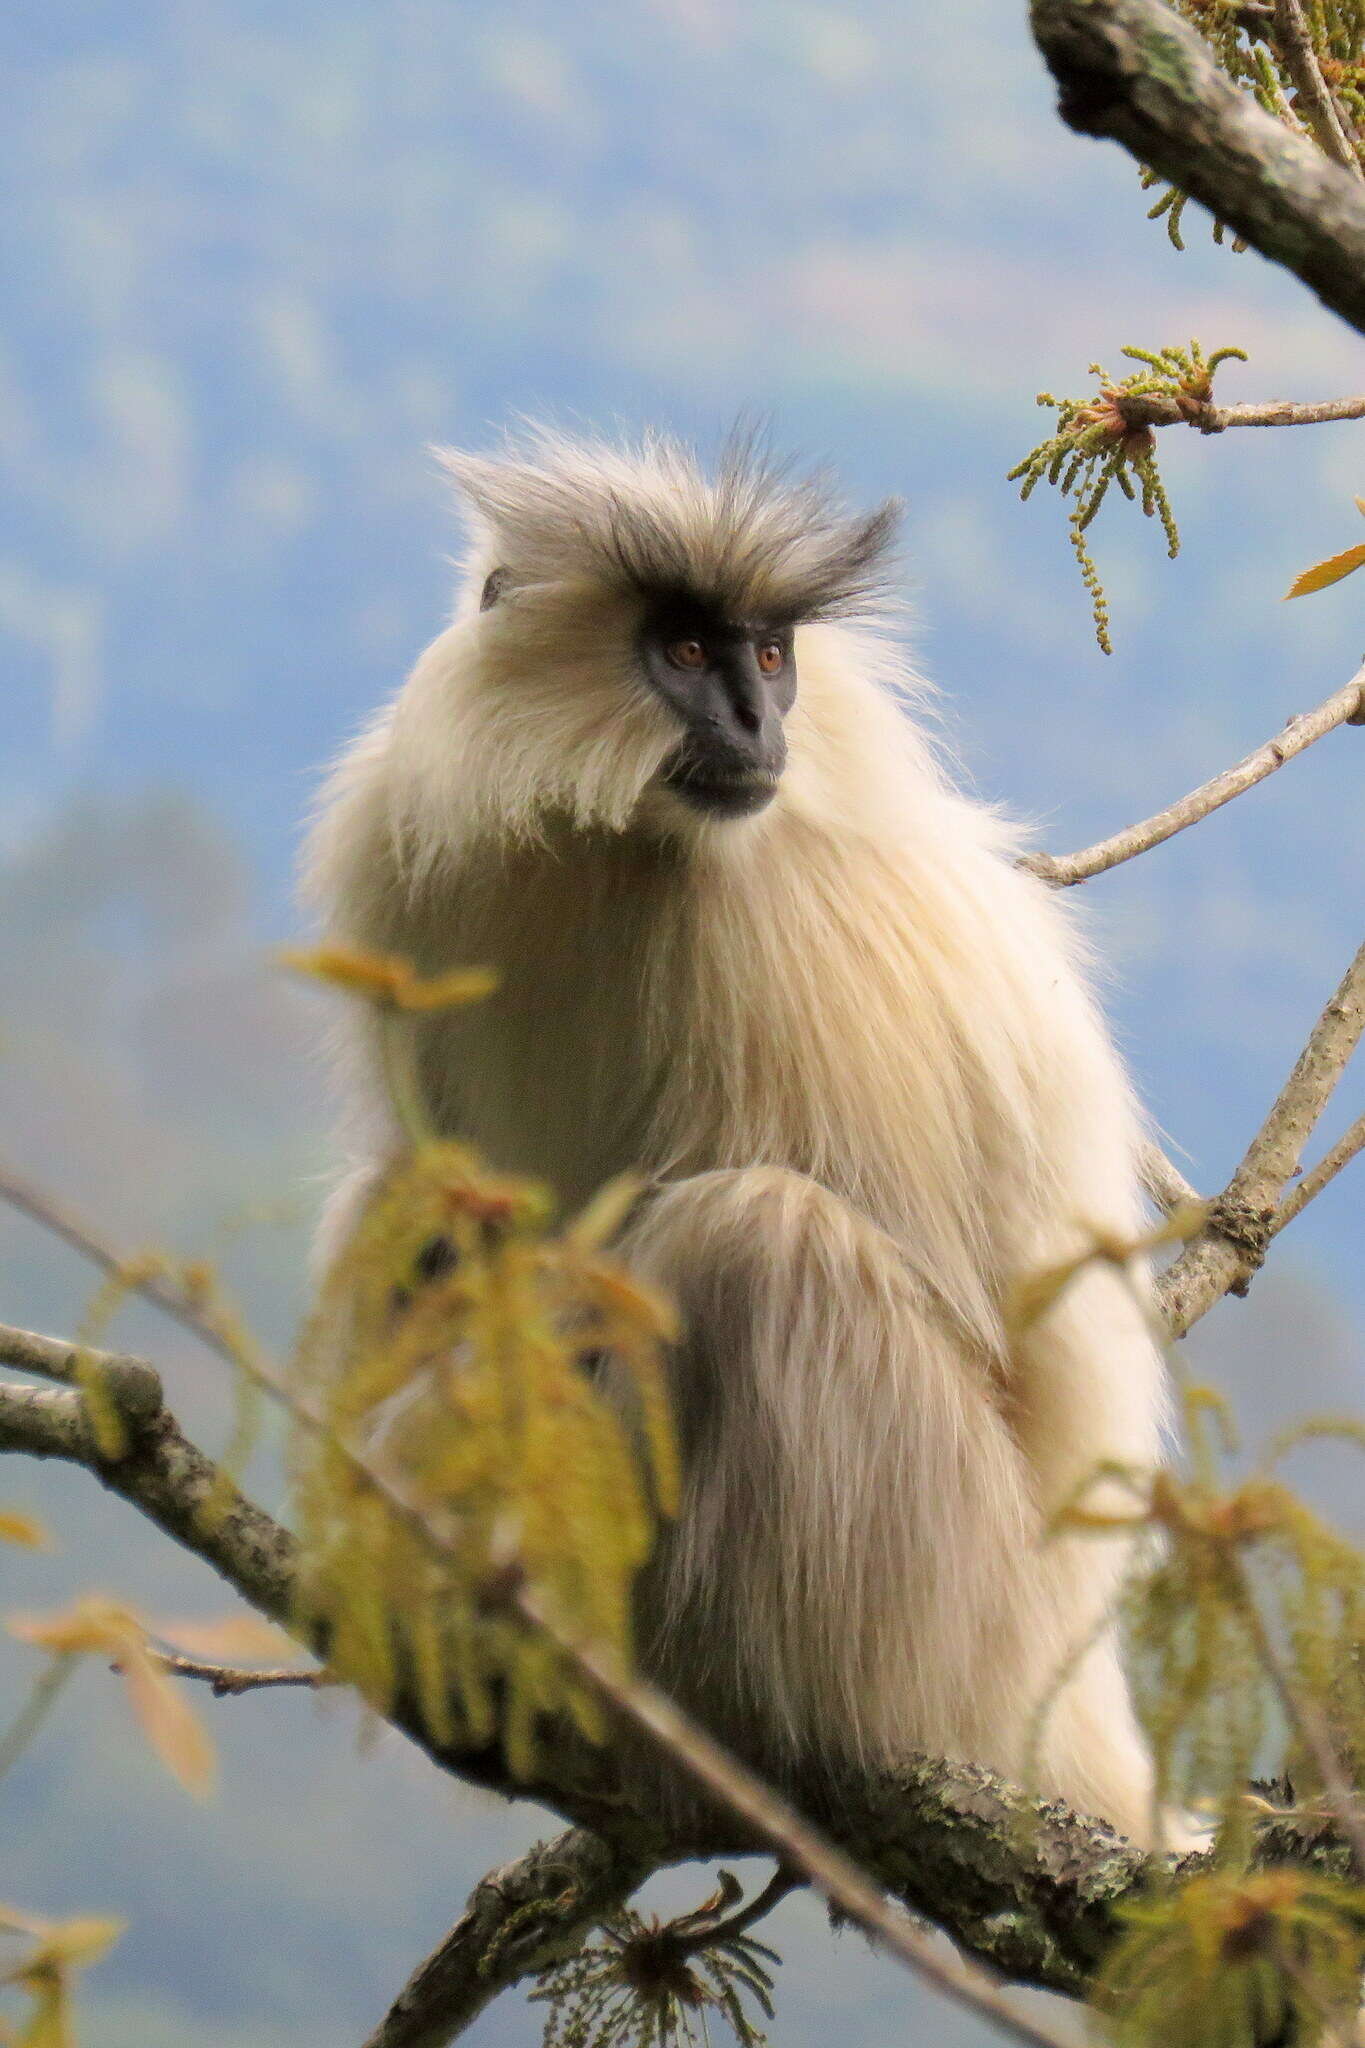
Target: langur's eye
{"type": "Point", "coordinates": [687, 654]}
{"type": "Point", "coordinates": [770, 657]}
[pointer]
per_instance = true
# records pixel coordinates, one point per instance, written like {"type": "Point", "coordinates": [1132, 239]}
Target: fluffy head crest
{"type": "Point", "coordinates": [757, 542]}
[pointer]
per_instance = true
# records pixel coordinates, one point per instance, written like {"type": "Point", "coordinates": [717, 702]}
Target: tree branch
{"type": "Point", "coordinates": [133, 1385]}
{"type": "Point", "coordinates": [1025, 1886]}
{"type": "Point", "coordinates": [1221, 1258]}
{"type": "Point", "coordinates": [531, 1913]}
{"type": "Point", "coordinates": [228, 1680]}
{"type": "Point", "coordinates": [1345, 706]}
{"type": "Point", "coordinates": [141, 1277]}
{"type": "Point", "coordinates": [1155, 409]}
{"type": "Point", "coordinates": [1132, 71]}
{"type": "Point", "coordinates": [1301, 62]}
{"type": "Point", "coordinates": [169, 1480]}
{"type": "Point", "coordinates": [705, 1929]}
{"type": "Point", "coordinates": [1347, 1148]}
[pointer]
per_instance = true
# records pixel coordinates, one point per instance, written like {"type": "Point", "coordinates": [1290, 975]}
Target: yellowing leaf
{"type": "Point", "coordinates": [446, 991]}
{"type": "Point", "coordinates": [49, 2024]}
{"type": "Point", "coordinates": [91, 1626]}
{"type": "Point", "coordinates": [94, 1626]}
{"type": "Point", "coordinates": [78, 1943]}
{"type": "Point", "coordinates": [1360, 504]}
{"type": "Point", "coordinates": [389, 980]}
{"type": "Point", "coordinates": [172, 1728]}
{"type": "Point", "coordinates": [1330, 571]}
{"type": "Point", "coordinates": [596, 1225]}
{"type": "Point", "coordinates": [237, 1639]}
{"type": "Point", "coordinates": [22, 1529]}
{"type": "Point", "coordinates": [12, 1921]}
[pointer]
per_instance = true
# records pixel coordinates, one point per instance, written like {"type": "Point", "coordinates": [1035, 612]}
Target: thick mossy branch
{"type": "Point", "coordinates": [1023, 1884]}
{"type": "Point", "coordinates": [519, 1920]}
{"type": "Point", "coordinates": [1133, 72]}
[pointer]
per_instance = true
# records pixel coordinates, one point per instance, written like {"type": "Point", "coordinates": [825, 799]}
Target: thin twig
{"type": "Point", "coordinates": [1228, 1249]}
{"type": "Point", "coordinates": [1323, 113]}
{"type": "Point", "coordinates": [1156, 409]}
{"type": "Point", "coordinates": [227, 1680]}
{"type": "Point", "coordinates": [705, 1930]}
{"type": "Point", "coordinates": [158, 1288]}
{"type": "Point", "coordinates": [1347, 1148]}
{"type": "Point", "coordinates": [1345, 706]}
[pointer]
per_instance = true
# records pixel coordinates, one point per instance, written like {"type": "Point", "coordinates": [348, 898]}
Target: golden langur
{"type": "Point", "coordinates": [663, 773]}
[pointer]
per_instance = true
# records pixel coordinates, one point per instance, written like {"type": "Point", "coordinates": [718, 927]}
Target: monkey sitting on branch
{"type": "Point", "coordinates": [663, 774]}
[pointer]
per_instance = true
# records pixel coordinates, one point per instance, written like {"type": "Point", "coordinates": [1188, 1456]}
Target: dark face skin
{"type": "Point", "coordinates": [730, 683]}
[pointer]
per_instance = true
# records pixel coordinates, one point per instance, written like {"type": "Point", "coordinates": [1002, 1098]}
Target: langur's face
{"type": "Point", "coordinates": [729, 683]}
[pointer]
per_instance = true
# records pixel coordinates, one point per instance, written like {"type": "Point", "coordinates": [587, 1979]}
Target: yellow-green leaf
{"type": "Point", "coordinates": [387, 979]}
{"type": "Point", "coordinates": [78, 1943]}
{"type": "Point", "coordinates": [597, 1224]}
{"type": "Point", "coordinates": [1330, 571]}
{"type": "Point", "coordinates": [25, 1530]}
{"type": "Point", "coordinates": [170, 1725]}
{"type": "Point", "coordinates": [238, 1639]}
{"type": "Point", "coordinates": [91, 1625]}
{"type": "Point", "coordinates": [49, 2024]}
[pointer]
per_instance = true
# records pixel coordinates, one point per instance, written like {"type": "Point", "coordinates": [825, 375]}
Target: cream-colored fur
{"type": "Point", "coordinates": [857, 1048]}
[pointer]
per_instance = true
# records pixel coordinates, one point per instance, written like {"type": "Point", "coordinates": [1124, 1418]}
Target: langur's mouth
{"type": "Point", "coordinates": [718, 794]}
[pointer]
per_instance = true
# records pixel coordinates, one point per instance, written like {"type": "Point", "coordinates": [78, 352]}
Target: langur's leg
{"type": "Point", "coordinates": [858, 1569]}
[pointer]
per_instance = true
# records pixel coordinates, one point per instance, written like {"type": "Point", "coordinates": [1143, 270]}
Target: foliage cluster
{"type": "Point", "coordinates": [464, 1348]}
{"type": "Point", "coordinates": [657, 1986]}
{"type": "Point", "coordinates": [1103, 439]}
{"type": "Point", "coordinates": [1266, 49]}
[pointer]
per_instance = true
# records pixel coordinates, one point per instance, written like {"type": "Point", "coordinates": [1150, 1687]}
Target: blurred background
{"type": "Point", "coordinates": [255, 261]}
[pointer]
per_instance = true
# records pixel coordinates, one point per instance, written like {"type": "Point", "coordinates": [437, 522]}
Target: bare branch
{"type": "Point", "coordinates": [1347, 1148]}
{"type": "Point", "coordinates": [45, 1423]}
{"type": "Point", "coordinates": [705, 1929]}
{"type": "Point", "coordinates": [1345, 706]}
{"type": "Point", "coordinates": [1132, 71]}
{"type": "Point", "coordinates": [519, 1919]}
{"type": "Point", "coordinates": [1230, 1247]}
{"type": "Point", "coordinates": [1319, 102]}
{"type": "Point", "coordinates": [134, 1387]}
{"type": "Point", "coordinates": [159, 1288]}
{"type": "Point", "coordinates": [227, 1680]}
{"type": "Point", "coordinates": [1155, 409]}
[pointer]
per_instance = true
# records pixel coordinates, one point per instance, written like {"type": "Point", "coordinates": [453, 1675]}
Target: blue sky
{"type": "Point", "coordinates": [256, 261]}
